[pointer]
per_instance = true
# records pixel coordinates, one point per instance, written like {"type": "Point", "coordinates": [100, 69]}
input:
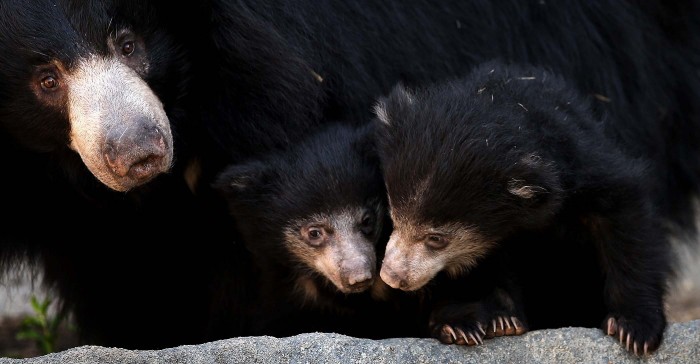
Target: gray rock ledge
{"type": "Point", "coordinates": [568, 345]}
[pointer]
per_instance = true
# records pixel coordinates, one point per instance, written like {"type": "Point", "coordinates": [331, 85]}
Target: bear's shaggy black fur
{"type": "Point", "coordinates": [311, 218]}
{"type": "Point", "coordinates": [108, 256]}
{"type": "Point", "coordinates": [238, 79]}
{"type": "Point", "coordinates": [513, 158]}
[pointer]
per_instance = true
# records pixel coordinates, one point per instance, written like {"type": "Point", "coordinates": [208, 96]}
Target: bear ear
{"type": "Point", "coordinates": [524, 189]}
{"type": "Point", "coordinates": [399, 98]}
{"type": "Point", "coordinates": [534, 180]}
{"type": "Point", "coordinates": [239, 178]}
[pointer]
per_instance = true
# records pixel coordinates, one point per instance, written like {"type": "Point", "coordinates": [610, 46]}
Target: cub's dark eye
{"type": "Point", "coordinates": [435, 241]}
{"type": "Point", "coordinates": [49, 83]}
{"type": "Point", "coordinates": [128, 48]}
{"type": "Point", "coordinates": [315, 234]}
{"type": "Point", "coordinates": [367, 224]}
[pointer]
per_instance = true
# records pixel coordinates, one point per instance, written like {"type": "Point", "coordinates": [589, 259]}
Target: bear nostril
{"type": "Point", "coordinates": [392, 279]}
{"type": "Point", "coordinates": [137, 155]}
{"type": "Point", "coordinates": [113, 160]}
{"type": "Point", "coordinates": [145, 167]}
{"type": "Point", "coordinates": [359, 279]}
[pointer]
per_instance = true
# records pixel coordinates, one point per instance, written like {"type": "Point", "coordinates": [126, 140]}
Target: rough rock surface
{"type": "Point", "coordinates": [569, 345]}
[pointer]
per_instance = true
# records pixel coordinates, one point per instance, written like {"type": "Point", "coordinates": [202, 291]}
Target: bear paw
{"type": "Point", "coordinates": [505, 326]}
{"type": "Point", "coordinates": [462, 334]}
{"type": "Point", "coordinates": [640, 337]}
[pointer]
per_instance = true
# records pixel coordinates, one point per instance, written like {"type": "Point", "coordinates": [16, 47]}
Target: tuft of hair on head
{"type": "Point", "coordinates": [402, 94]}
{"type": "Point", "coordinates": [381, 112]}
{"type": "Point", "coordinates": [399, 96]}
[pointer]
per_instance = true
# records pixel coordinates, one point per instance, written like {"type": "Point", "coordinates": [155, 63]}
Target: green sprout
{"type": "Point", "coordinates": [41, 327]}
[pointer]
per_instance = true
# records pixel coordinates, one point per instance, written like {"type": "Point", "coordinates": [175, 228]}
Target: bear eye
{"type": "Point", "coordinates": [367, 224]}
{"type": "Point", "coordinates": [315, 236]}
{"type": "Point", "coordinates": [315, 233]}
{"type": "Point", "coordinates": [435, 242]}
{"type": "Point", "coordinates": [128, 48]}
{"type": "Point", "coordinates": [49, 83]}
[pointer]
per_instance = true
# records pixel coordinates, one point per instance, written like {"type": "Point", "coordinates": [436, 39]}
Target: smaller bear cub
{"type": "Point", "coordinates": [312, 217]}
{"type": "Point", "coordinates": [512, 158]}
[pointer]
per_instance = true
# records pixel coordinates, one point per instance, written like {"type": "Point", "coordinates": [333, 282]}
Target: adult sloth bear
{"type": "Point", "coordinates": [92, 113]}
{"type": "Point", "coordinates": [98, 191]}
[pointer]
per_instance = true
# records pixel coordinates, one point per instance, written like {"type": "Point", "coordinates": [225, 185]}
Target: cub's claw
{"type": "Point", "coordinates": [460, 335]}
{"type": "Point", "coordinates": [638, 339]}
{"type": "Point", "coordinates": [505, 326]}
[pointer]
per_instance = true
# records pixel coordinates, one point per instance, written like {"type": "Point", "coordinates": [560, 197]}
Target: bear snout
{"type": "Point", "coordinates": [357, 279]}
{"type": "Point", "coordinates": [390, 277]}
{"type": "Point", "coordinates": [137, 153]}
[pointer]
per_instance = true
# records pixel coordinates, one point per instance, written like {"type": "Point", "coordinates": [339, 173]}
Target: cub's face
{"type": "Point", "coordinates": [339, 245]}
{"type": "Point", "coordinates": [459, 180]}
{"type": "Point", "coordinates": [417, 251]}
{"type": "Point", "coordinates": [81, 76]}
{"type": "Point", "coordinates": [316, 211]}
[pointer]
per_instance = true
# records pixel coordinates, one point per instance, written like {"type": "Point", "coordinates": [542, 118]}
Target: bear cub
{"type": "Point", "coordinates": [311, 218]}
{"type": "Point", "coordinates": [510, 164]}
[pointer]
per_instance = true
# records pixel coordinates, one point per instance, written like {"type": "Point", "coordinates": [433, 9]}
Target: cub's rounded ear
{"type": "Point", "coordinates": [239, 178]}
{"type": "Point", "coordinates": [387, 107]}
{"type": "Point", "coordinates": [535, 182]}
{"type": "Point", "coordinates": [525, 189]}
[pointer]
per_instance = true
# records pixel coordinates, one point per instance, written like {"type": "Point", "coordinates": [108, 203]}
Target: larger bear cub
{"type": "Point", "coordinates": [512, 158]}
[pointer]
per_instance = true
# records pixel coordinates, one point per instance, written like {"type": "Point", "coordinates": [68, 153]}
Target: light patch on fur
{"type": "Point", "coordinates": [413, 199]}
{"type": "Point", "coordinates": [316, 76]}
{"type": "Point", "coordinates": [409, 264]}
{"type": "Point", "coordinates": [406, 95]}
{"type": "Point", "coordinates": [521, 189]}
{"type": "Point", "coordinates": [346, 259]}
{"type": "Point", "coordinates": [422, 188]}
{"type": "Point", "coordinates": [533, 159]}
{"type": "Point", "coordinates": [381, 113]}
{"type": "Point", "coordinates": [192, 173]}
{"type": "Point", "coordinates": [104, 94]}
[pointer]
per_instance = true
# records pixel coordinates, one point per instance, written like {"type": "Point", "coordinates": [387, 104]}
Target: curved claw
{"type": "Point", "coordinates": [481, 328]}
{"type": "Point", "coordinates": [622, 334]}
{"type": "Point", "coordinates": [463, 336]}
{"type": "Point", "coordinates": [519, 326]}
{"type": "Point", "coordinates": [451, 332]}
{"type": "Point", "coordinates": [612, 326]}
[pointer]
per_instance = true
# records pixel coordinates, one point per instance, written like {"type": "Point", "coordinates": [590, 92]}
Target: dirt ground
{"type": "Point", "coordinates": [683, 304]}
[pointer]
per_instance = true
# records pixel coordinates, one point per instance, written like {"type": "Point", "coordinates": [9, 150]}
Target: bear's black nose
{"type": "Point", "coordinates": [137, 153]}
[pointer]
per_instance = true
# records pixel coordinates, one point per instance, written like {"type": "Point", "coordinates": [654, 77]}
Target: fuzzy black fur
{"type": "Point", "coordinates": [333, 170]}
{"type": "Point", "coordinates": [108, 256]}
{"type": "Point", "coordinates": [519, 155]}
{"type": "Point", "coordinates": [240, 78]}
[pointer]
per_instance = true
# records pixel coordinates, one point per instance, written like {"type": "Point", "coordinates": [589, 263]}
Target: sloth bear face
{"type": "Point", "coordinates": [84, 76]}
{"type": "Point", "coordinates": [315, 212]}
{"type": "Point", "coordinates": [459, 179]}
